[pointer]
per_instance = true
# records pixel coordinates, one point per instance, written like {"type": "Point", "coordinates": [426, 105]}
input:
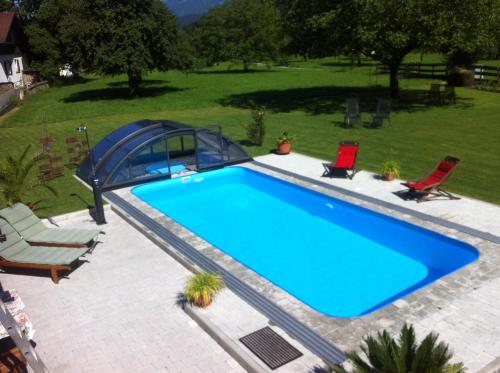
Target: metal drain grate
{"type": "Point", "coordinates": [270, 347]}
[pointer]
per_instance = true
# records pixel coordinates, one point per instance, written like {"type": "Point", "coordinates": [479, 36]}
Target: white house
{"type": "Point", "coordinates": [12, 46]}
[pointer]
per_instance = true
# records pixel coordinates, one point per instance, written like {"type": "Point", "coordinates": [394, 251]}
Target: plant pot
{"type": "Point", "coordinates": [388, 176]}
{"type": "Point", "coordinates": [201, 303]}
{"type": "Point", "coordinates": [284, 148]}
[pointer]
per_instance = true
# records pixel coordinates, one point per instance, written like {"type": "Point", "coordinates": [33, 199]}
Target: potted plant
{"type": "Point", "coordinates": [390, 170]}
{"type": "Point", "coordinates": [284, 143]}
{"type": "Point", "coordinates": [202, 287]}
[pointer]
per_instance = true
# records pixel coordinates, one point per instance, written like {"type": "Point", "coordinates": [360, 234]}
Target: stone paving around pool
{"type": "Point", "coordinates": [118, 311]}
{"type": "Point", "coordinates": [464, 307]}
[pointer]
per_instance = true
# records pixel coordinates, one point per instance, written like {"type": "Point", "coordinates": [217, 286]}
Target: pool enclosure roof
{"type": "Point", "coordinates": [155, 149]}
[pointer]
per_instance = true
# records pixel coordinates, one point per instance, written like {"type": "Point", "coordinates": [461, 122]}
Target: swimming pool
{"type": "Point", "coordinates": [341, 259]}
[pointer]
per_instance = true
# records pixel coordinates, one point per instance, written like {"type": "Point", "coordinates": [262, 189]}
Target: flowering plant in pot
{"type": "Point", "coordinates": [202, 287]}
{"type": "Point", "coordinates": [390, 170]}
{"type": "Point", "coordinates": [284, 143]}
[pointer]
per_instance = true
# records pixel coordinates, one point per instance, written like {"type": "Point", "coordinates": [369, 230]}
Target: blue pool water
{"type": "Point", "coordinates": [339, 258]}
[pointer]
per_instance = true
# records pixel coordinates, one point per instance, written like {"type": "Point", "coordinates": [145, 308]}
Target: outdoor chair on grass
{"type": "Point", "coordinates": [346, 161]}
{"type": "Point", "coordinates": [17, 253]}
{"type": "Point", "coordinates": [352, 115]}
{"type": "Point", "coordinates": [33, 230]}
{"type": "Point", "coordinates": [448, 95]}
{"type": "Point", "coordinates": [435, 94]}
{"type": "Point", "coordinates": [430, 187]}
{"type": "Point", "coordinates": [377, 121]}
{"type": "Point", "coordinates": [383, 114]}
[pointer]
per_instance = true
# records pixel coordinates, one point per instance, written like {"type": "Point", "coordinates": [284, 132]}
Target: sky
{"type": "Point", "coordinates": [182, 8]}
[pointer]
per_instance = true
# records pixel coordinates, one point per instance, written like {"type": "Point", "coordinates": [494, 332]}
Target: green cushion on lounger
{"type": "Point", "coordinates": [16, 250]}
{"type": "Point", "coordinates": [33, 229]}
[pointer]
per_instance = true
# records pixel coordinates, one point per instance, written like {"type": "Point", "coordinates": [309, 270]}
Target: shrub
{"type": "Point", "coordinates": [256, 130]}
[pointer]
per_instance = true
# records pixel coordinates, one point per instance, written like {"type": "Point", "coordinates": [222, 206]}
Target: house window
{"type": "Point", "coordinates": [7, 67]}
{"type": "Point", "coordinates": [18, 67]}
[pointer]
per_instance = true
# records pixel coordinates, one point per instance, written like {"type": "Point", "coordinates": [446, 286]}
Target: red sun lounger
{"type": "Point", "coordinates": [430, 187]}
{"type": "Point", "coordinates": [346, 161]}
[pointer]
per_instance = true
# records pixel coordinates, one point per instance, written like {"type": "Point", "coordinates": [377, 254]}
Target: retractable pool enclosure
{"type": "Point", "coordinates": [156, 149]}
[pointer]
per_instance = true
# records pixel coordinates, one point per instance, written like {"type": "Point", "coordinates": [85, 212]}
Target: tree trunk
{"type": "Point", "coordinates": [134, 81]}
{"type": "Point", "coordinates": [394, 70]}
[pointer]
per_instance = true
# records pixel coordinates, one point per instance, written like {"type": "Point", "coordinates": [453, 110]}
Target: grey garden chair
{"type": "Point", "coordinates": [353, 115]}
{"type": "Point", "coordinates": [435, 93]}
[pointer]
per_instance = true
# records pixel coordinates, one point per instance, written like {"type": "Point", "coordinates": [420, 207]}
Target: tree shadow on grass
{"type": "Point", "coordinates": [145, 83]}
{"type": "Point", "coordinates": [233, 72]}
{"type": "Point", "coordinates": [347, 64]}
{"type": "Point", "coordinates": [119, 93]}
{"type": "Point", "coordinates": [61, 82]}
{"type": "Point", "coordinates": [331, 99]}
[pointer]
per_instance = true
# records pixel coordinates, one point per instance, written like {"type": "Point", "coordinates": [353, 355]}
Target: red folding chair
{"type": "Point", "coordinates": [430, 187]}
{"type": "Point", "coordinates": [345, 165]}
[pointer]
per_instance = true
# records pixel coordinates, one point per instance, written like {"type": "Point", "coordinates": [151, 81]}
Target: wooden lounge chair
{"type": "Point", "coordinates": [346, 161]}
{"type": "Point", "coordinates": [17, 253]}
{"type": "Point", "coordinates": [33, 230]}
{"type": "Point", "coordinates": [430, 187]}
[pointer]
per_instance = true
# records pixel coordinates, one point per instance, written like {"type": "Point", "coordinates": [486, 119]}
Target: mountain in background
{"type": "Point", "coordinates": [188, 11]}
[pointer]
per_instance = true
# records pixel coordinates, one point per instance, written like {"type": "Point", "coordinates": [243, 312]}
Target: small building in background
{"type": "Point", "coordinates": [13, 48]}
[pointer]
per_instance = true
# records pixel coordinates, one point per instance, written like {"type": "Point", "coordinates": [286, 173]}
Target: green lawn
{"type": "Point", "coordinates": [305, 99]}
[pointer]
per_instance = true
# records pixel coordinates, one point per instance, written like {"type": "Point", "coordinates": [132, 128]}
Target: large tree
{"type": "Point", "coordinates": [307, 39]}
{"type": "Point", "coordinates": [240, 30]}
{"type": "Point", "coordinates": [6, 6]}
{"type": "Point", "coordinates": [25, 9]}
{"type": "Point", "coordinates": [384, 30]}
{"type": "Point", "coordinates": [137, 36]}
{"type": "Point", "coordinates": [464, 31]}
{"type": "Point", "coordinates": [388, 30]}
{"type": "Point", "coordinates": [107, 37]}
{"type": "Point", "coordinates": [63, 31]}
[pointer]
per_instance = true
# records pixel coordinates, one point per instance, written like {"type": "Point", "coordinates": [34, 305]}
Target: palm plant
{"type": "Point", "coordinates": [17, 179]}
{"type": "Point", "coordinates": [202, 287]}
{"type": "Point", "coordinates": [385, 354]}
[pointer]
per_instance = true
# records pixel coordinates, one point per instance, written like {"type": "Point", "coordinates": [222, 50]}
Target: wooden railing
{"type": "Point", "coordinates": [418, 70]}
{"type": "Point", "coordinates": [487, 77]}
{"type": "Point", "coordinates": [21, 341]}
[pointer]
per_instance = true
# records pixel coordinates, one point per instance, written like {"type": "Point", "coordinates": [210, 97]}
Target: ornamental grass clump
{"type": "Point", "coordinates": [202, 287]}
{"type": "Point", "coordinates": [390, 170]}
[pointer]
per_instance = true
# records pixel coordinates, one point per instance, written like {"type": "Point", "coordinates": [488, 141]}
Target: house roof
{"type": "Point", "coordinates": [6, 20]}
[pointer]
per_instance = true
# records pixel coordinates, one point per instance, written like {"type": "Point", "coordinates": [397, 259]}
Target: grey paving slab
{"type": "Point", "coordinates": [117, 312]}
{"type": "Point", "coordinates": [445, 306]}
